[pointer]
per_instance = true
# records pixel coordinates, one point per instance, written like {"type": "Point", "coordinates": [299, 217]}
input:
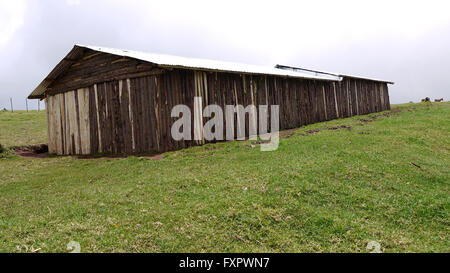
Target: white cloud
{"type": "Point", "coordinates": [12, 15]}
{"type": "Point", "coordinates": [73, 2]}
{"type": "Point", "coordinates": [284, 28]}
{"type": "Point", "coordinates": [403, 41]}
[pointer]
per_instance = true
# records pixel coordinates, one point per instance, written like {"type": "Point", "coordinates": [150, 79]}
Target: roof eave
{"type": "Point", "coordinates": [67, 61]}
{"type": "Point", "coordinates": [367, 79]}
{"type": "Point", "coordinates": [333, 74]}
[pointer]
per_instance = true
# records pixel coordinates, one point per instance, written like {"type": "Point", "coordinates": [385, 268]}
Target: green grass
{"type": "Point", "coordinates": [22, 128]}
{"type": "Point", "coordinates": [331, 191]}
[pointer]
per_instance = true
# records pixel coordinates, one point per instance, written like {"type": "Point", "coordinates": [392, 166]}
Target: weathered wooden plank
{"type": "Point", "coordinates": [151, 81]}
{"type": "Point", "coordinates": [357, 98]}
{"type": "Point", "coordinates": [50, 122]}
{"type": "Point", "coordinates": [84, 121]}
{"type": "Point", "coordinates": [104, 133]}
{"type": "Point", "coordinates": [62, 125]}
{"type": "Point", "coordinates": [137, 113]}
{"type": "Point", "coordinates": [198, 106]}
{"type": "Point", "coordinates": [125, 116]}
{"type": "Point", "coordinates": [351, 96]}
{"type": "Point", "coordinates": [331, 108]}
{"type": "Point", "coordinates": [56, 125]}
{"type": "Point", "coordinates": [325, 110]}
{"type": "Point", "coordinates": [172, 91]}
{"type": "Point", "coordinates": [72, 132]}
{"type": "Point", "coordinates": [303, 103]}
{"type": "Point", "coordinates": [57, 134]}
{"type": "Point", "coordinates": [164, 112]}
{"type": "Point", "coordinates": [175, 101]}
{"type": "Point", "coordinates": [336, 101]}
{"type": "Point", "coordinates": [157, 107]}
{"type": "Point", "coordinates": [93, 119]}
{"type": "Point", "coordinates": [131, 114]}
{"type": "Point", "coordinates": [111, 113]}
{"type": "Point", "coordinates": [77, 116]}
{"type": "Point", "coordinates": [66, 121]}
{"type": "Point", "coordinates": [140, 95]}
{"type": "Point", "coordinates": [117, 120]}
{"type": "Point", "coordinates": [380, 94]}
{"type": "Point", "coordinates": [386, 95]}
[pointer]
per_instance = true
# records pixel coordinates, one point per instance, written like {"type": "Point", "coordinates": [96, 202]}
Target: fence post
{"type": "Point", "coordinates": [26, 102]}
{"type": "Point", "coordinates": [12, 109]}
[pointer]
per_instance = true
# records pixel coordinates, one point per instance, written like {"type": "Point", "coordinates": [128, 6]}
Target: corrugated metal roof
{"type": "Point", "coordinates": [193, 63]}
{"type": "Point", "coordinates": [175, 62]}
{"type": "Point", "coordinates": [323, 73]}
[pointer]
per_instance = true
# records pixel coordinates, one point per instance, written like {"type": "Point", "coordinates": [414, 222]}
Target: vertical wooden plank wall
{"type": "Point", "coordinates": [132, 116]}
{"type": "Point", "coordinates": [69, 123]}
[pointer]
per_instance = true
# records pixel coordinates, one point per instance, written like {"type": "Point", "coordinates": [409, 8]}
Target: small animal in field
{"type": "Point", "coordinates": [439, 100]}
{"type": "Point", "coordinates": [427, 99]}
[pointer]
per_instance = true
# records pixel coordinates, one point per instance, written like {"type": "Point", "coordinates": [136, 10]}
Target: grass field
{"type": "Point", "coordinates": [384, 179]}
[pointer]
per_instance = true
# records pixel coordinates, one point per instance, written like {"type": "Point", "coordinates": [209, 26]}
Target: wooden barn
{"type": "Point", "coordinates": [102, 100]}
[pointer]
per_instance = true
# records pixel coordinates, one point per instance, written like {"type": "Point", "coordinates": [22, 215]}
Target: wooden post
{"type": "Point", "coordinates": [39, 105]}
{"type": "Point", "coordinates": [26, 103]}
{"type": "Point", "coordinates": [12, 109]}
{"type": "Point", "coordinates": [349, 99]}
{"type": "Point", "coordinates": [324, 103]}
{"type": "Point", "coordinates": [335, 100]}
{"type": "Point", "coordinates": [357, 103]}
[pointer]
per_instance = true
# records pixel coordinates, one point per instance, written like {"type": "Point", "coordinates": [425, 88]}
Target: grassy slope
{"type": "Point", "coordinates": [332, 191]}
{"type": "Point", "coordinates": [22, 128]}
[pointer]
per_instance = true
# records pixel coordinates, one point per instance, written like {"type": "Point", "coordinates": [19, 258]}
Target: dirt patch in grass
{"type": "Point", "coordinates": [154, 156]}
{"type": "Point", "coordinates": [334, 128]}
{"type": "Point", "coordinates": [363, 121]}
{"type": "Point", "coordinates": [288, 133]}
{"type": "Point", "coordinates": [157, 157]}
{"type": "Point", "coordinates": [339, 127]}
{"type": "Point", "coordinates": [285, 134]}
{"type": "Point", "coordinates": [41, 151]}
{"type": "Point", "coordinates": [260, 142]}
{"type": "Point", "coordinates": [32, 151]}
{"type": "Point", "coordinates": [378, 116]}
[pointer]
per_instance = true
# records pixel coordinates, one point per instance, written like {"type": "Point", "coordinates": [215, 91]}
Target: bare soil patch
{"type": "Point", "coordinates": [334, 128]}
{"type": "Point", "coordinates": [378, 116]}
{"type": "Point", "coordinates": [32, 151]}
{"type": "Point", "coordinates": [153, 156]}
{"type": "Point", "coordinates": [41, 151]}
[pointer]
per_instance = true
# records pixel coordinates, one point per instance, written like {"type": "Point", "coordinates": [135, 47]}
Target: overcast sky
{"type": "Point", "coordinates": [403, 41]}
